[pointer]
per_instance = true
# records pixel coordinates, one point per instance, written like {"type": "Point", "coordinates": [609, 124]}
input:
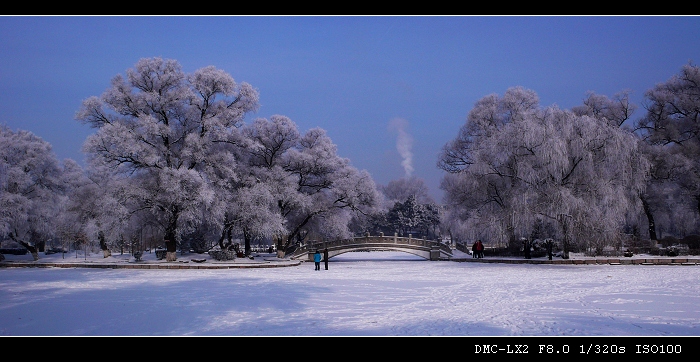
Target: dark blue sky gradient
{"type": "Point", "coordinates": [350, 75]}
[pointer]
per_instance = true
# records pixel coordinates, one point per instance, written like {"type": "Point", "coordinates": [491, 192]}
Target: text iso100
{"type": "Point", "coordinates": [658, 348]}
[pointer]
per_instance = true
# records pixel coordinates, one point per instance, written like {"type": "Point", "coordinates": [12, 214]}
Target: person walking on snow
{"type": "Point", "coordinates": [317, 260]}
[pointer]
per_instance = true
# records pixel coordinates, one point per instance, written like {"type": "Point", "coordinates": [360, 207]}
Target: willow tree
{"type": "Point", "coordinates": [164, 129]}
{"type": "Point", "coordinates": [672, 122]}
{"type": "Point", "coordinates": [515, 164]}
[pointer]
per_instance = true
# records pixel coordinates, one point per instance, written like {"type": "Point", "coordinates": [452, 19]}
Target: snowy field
{"type": "Point", "coordinates": [361, 294]}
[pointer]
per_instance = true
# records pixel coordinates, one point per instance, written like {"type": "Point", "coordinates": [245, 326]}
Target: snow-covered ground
{"type": "Point", "coordinates": [361, 294]}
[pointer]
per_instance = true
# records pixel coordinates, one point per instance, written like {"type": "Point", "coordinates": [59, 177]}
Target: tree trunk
{"type": "Point", "coordinates": [223, 237]}
{"type": "Point", "coordinates": [296, 234]}
{"type": "Point", "coordinates": [32, 250]}
{"type": "Point", "coordinates": [287, 243]}
{"type": "Point", "coordinates": [246, 238]}
{"type": "Point", "coordinates": [103, 245]}
{"type": "Point", "coordinates": [650, 218]}
{"type": "Point", "coordinates": [280, 246]}
{"type": "Point", "coordinates": [170, 245]}
{"type": "Point", "coordinates": [226, 234]}
{"type": "Point", "coordinates": [564, 222]}
{"type": "Point", "coordinates": [170, 236]}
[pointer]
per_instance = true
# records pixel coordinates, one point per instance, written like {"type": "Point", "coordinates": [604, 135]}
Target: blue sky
{"type": "Point", "coordinates": [357, 77]}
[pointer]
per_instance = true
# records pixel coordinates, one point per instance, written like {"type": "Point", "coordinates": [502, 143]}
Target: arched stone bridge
{"type": "Point", "coordinates": [428, 249]}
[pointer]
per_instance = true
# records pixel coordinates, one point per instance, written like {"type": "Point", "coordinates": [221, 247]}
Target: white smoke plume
{"type": "Point", "coordinates": [404, 143]}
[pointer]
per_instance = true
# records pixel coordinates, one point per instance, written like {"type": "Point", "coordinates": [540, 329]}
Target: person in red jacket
{"type": "Point", "coordinates": [479, 249]}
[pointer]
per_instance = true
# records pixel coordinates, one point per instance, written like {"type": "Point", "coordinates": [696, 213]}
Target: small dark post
{"type": "Point", "coordinates": [526, 248]}
{"type": "Point", "coordinates": [325, 257]}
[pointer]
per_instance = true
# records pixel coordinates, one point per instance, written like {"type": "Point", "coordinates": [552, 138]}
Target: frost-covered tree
{"type": "Point", "coordinates": [514, 165]}
{"type": "Point", "coordinates": [672, 122]}
{"type": "Point", "coordinates": [314, 189]}
{"type": "Point", "coordinates": [164, 129]}
{"type": "Point", "coordinates": [400, 190]}
{"type": "Point", "coordinates": [262, 159]}
{"type": "Point", "coordinates": [661, 199]}
{"type": "Point", "coordinates": [69, 226]}
{"type": "Point", "coordinates": [328, 189]}
{"type": "Point", "coordinates": [407, 207]}
{"type": "Point", "coordinates": [31, 187]}
{"type": "Point", "coordinates": [252, 213]}
{"type": "Point", "coordinates": [616, 111]}
{"type": "Point", "coordinates": [412, 217]}
{"type": "Point", "coordinates": [481, 198]}
{"type": "Point", "coordinates": [665, 166]}
{"type": "Point", "coordinates": [97, 206]}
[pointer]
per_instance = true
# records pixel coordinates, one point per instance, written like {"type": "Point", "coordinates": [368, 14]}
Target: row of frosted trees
{"type": "Point", "coordinates": [172, 156]}
{"type": "Point", "coordinates": [172, 152]}
{"type": "Point", "coordinates": [590, 177]}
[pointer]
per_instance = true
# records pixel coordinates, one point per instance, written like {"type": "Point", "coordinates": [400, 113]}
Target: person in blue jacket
{"type": "Point", "coordinates": [317, 260]}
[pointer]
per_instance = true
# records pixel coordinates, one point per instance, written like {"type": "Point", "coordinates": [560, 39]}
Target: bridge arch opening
{"type": "Point", "coordinates": [375, 251]}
